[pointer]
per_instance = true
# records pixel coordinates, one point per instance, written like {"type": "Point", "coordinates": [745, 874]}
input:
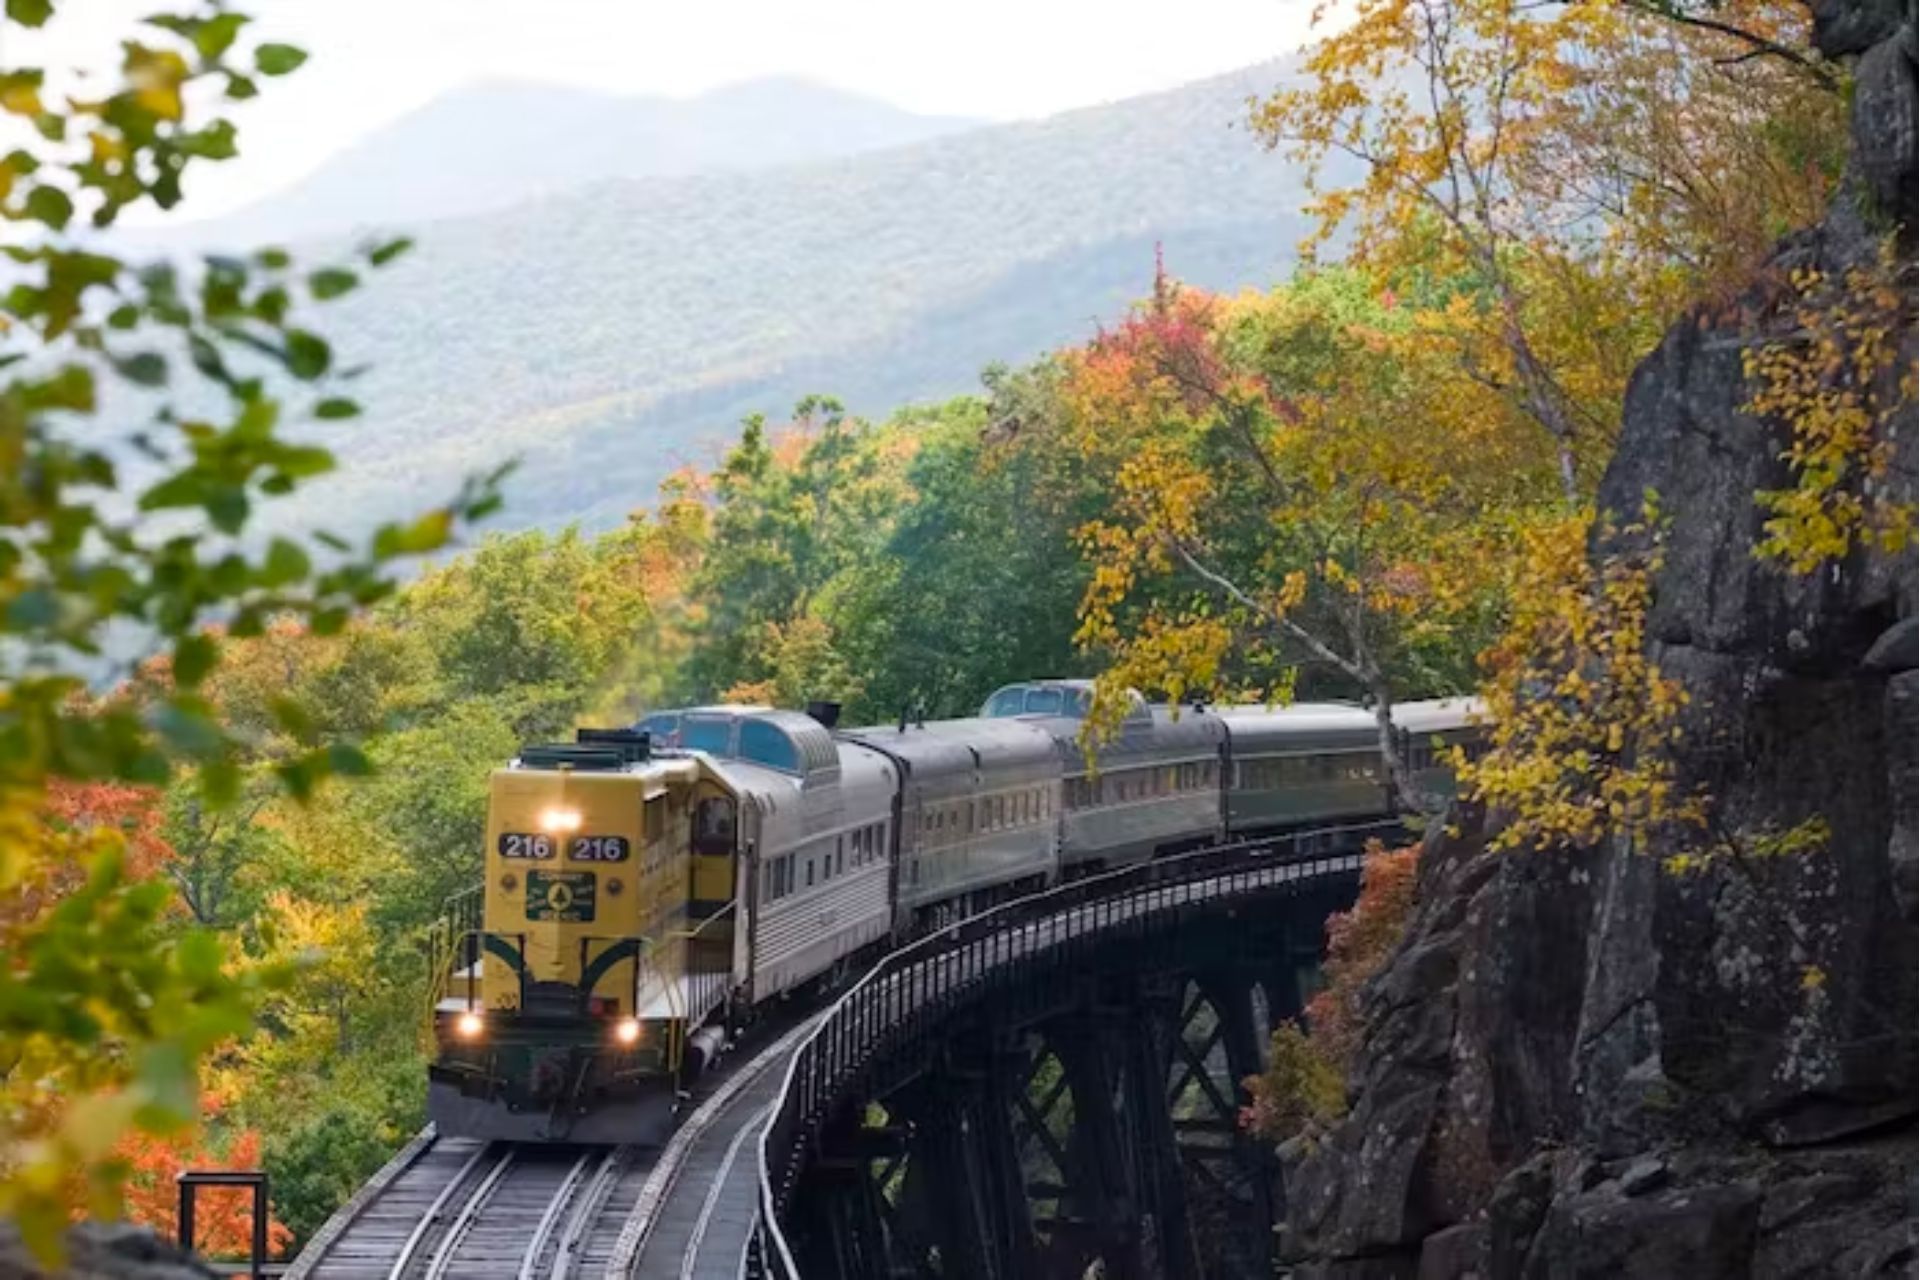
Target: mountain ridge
{"type": "Point", "coordinates": [608, 334]}
{"type": "Point", "coordinates": [489, 144]}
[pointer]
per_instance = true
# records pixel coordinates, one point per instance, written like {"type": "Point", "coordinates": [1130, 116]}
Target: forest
{"type": "Point", "coordinates": [1374, 480]}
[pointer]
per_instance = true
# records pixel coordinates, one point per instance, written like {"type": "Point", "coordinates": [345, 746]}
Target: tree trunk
{"type": "Point", "coordinates": [1399, 775]}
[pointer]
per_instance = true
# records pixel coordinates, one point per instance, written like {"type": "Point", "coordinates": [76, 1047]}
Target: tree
{"type": "Point", "coordinates": [531, 622]}
{"type": "Point", "coordinates": [101, 1005]}
{"type": "Point", "coordinates": [223, 1217]}
{"type": "Point", "coordinates": [790, 515]}
{"type": "Point", "coordinates": [1303, 1089]}
{"type": "Point", "coordinates": [1589, 168]}
{"type": "Point", "coordinates": [1289, 494]}
{"type": "Point", "coordinates": [969, 590]}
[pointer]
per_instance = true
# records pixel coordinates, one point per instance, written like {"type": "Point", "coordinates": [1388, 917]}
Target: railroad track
{"type": "Point", "coordinates": [465, 1209]}
{"type": "Point", "coordinates": [453, 1208]}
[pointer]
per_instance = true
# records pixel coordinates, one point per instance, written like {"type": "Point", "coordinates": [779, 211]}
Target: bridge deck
{"type": "Point", "coordinates": [696, 1217]}
{"type": "Point", "coordinates": [701, 1230]}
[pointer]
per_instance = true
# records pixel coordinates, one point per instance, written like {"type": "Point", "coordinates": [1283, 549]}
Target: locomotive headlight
{"type": "Point", "coordinates": [627, 1032]}
{"type": "Point", "coordinates": [559, 821]}
{"type": "Point", "coordinates": [469, 1026]}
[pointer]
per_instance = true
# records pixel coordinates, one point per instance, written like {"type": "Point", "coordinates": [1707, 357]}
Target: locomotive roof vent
{"type": "Point", "coordinates": [634, 745]}
{"type": "Point", "coordinates": [571, 755]}
{"type": "Point", "coordinates": [595, 750]}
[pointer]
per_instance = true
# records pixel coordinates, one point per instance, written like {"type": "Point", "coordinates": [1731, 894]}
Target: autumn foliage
{"type": "Point", "coordinates": [223, 1216]}
{"type": "Point", "coordinates": [1304, 1086]}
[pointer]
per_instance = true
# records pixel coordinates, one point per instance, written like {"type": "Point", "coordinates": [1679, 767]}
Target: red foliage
{"type": "Point", "coordinates": [1358, 945]}
{"type": "Point", "coordinates": [223, 1216]}
{"type": "Point", "coordinates": [133, 811]}
{"type": "Point", "coordinates": [1171, 337]}
{"type": "Point", "coordinates": [71, 812]}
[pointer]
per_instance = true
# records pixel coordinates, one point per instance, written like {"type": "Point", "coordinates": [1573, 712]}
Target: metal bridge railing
{"type": "Point", "coordinates": [920, 984]}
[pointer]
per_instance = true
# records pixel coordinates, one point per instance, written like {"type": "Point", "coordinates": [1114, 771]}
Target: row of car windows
{"type": "Point", "coordinates": [1122, 786]}
{"type": "Point", "coordinates": [951, 823]}
{"type": "Point", "coordinates": [1304, 771]}
{"type": "Point", "coordinates": [954, 822]}
{"type": "Point", "coordinates": [822, 860]}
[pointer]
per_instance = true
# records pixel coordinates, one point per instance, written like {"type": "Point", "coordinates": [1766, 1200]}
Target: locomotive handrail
{"type": "Point", "coordinates": [906, 981]}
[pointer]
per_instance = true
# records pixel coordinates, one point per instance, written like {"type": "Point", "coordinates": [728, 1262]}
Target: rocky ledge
{"type": "Point", "coordinates": [1578, 1064]}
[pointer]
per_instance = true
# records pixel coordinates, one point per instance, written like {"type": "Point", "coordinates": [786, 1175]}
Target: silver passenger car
{"type": "Point", "coordinates": [815, 821]}
{"type": "Point", "coordinates": [1153, 787]}
{"type": "Point", "coordinates": [1309, 762]}
{"type": "Point", "coordinates": [1429, 731]}
{"type": "Point", "coordinates": [977, 806]}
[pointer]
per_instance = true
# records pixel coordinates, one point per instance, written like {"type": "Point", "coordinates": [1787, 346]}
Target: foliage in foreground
{"type": "Point", "coordinates": [144, 418]}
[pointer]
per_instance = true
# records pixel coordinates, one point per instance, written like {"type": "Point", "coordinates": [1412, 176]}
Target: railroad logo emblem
{"type": "Point", "coordinates": [560, 895]}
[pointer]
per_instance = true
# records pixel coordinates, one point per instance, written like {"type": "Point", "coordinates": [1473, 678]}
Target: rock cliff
{"type": "Point", "coordinates": [1579, 1064]}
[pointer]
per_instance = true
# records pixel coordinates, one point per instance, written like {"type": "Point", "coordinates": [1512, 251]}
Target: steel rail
{"type": "Point", "coordinates": [432, 1215]}
{"type": "Point", "coordinates": [530, 1261]}
{"type": "Point", "coordinates": [457, 1232]}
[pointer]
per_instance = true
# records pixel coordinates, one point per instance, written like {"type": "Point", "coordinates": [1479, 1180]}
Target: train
{"type": "Point", "coordinates": [651, 890]}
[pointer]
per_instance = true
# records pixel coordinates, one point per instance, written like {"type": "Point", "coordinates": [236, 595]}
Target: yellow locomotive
{"type": "Point", "coordinates": [601, 934]}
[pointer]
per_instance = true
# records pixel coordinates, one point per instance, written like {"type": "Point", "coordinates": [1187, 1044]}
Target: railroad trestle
{"type": "Point", "coordinates": [1054, 1089]}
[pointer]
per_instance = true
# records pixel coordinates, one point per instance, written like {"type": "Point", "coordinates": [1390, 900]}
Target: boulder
{"type": "Point", "coordinates": [103, 1251]}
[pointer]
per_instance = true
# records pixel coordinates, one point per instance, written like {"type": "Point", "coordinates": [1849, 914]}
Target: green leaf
{"type": "Point", "coordinates": [184, 489]}
{"type": "Point", "coordinates": [301, 461]}
{"type": "Point", "coordinates": [189, 730]}
{"type": "Point", "coordinates": [193, 657]}
{"type": "Point", "coordinates": [33, 610]}
{"type": "Point", "coordinates": [240, 88]}
{"type": "Point", "coordinates": [334, 408]}
{"type": "Point", "coordinates": [227, 507]}
{"type": "Point", "coordinates": [207, 359]}
{"type": "Point", "coordinates": [348, 760]}
{"type": "Point", "coordinates": [30, 13]}
{"type": "Point", "coordinates": [331, 282]}
{"type": "Point", "coordinates": [286, 564]}
{"type": "Point", "coordinates": [147, 369]}
{"type": "Point", "coordinates": [308, 354]}
{"type": "Point", "coordinates": [273, 259]}
{"type": "Point", "coordinates": [381, 254]}
{"type": "Point", "coordinates": [50, 205]}
{"type": "Point", "coordinates": [216, 35]}
{"type": "Point", "coordinates": [278, 59]}
{"type": "Point", "coordinates": [292, 717]}
{"type": "Point", "coordinates": [428, 533]}
{"type": "Point", "coordinates": [215, 142]}
{"type": "Point", "coordinates": [69, 388]}
{"type": "Point", "coordinates": [199, 956]}
{"type": "Point", "coordinates": [165, 1068]}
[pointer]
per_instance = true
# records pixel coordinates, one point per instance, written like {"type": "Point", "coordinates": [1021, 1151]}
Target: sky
{"type": "Point", "coordinates": [375, 60]}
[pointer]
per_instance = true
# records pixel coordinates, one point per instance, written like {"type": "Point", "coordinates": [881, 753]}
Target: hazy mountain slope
{"type": "Point", "coordinates": [612, 333]}
{"type": "Point", "coordinates": [490, 146]}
